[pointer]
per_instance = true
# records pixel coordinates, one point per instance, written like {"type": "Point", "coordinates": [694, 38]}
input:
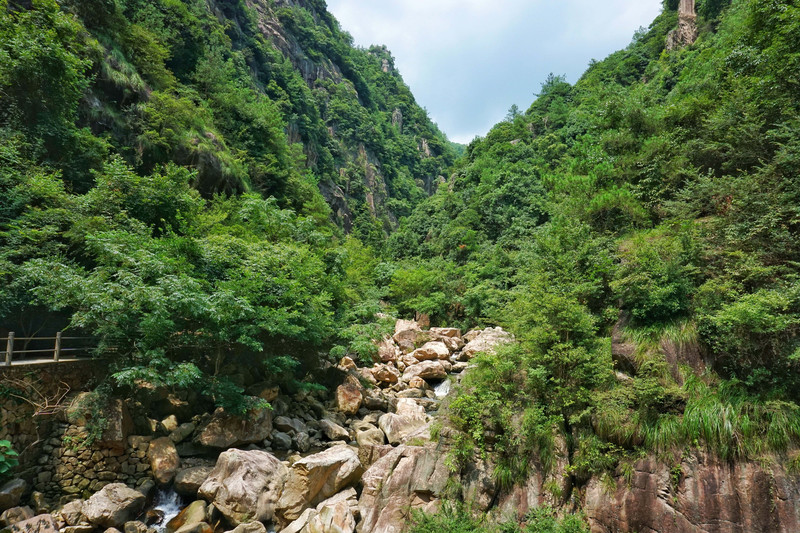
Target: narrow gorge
{"type": "Point", "coordinates": [247, 285]}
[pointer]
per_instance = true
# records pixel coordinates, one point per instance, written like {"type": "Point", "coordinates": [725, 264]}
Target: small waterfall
{"type": "Point", "coordinates": [442, 389]}
{"type": "Point", "coordinates": [168, 502]}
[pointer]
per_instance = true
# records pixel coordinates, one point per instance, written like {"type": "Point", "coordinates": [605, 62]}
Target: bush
{"type": "Point", "coordinates": [8, 459]}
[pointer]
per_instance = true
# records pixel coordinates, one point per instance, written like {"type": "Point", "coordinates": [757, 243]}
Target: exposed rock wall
{"type": "Point", "coordinates": [686, 32]}
{"type": "Point", "coordinates": [700, 495]}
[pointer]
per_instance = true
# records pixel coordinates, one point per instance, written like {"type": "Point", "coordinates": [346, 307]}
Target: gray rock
{"type": "Point", "coordinates": [302, 441]}
{"type": "Point", "coordinates": [333, 430]}
{"type": "Point", "coordinates": [188, 481]}
{"type": "Point", "coordinates": [245, 485]}
{"type": "Point", "coordinates": [114, 505]}
{"type": "Point", "coordinates": [11, 493]}
{"type": "Point", "coordinates": [281, 440]}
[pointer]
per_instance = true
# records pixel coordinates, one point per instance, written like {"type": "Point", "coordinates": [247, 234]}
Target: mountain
{"type": "Point", "coordinates": [269, 96]}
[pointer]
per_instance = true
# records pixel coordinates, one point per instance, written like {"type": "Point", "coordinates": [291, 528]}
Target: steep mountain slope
{"type": "Point", "coordinates": [227, 88]}
{"type": "Point", "coordinates": [638, 232]}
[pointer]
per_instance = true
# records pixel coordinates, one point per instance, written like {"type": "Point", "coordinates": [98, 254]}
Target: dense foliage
{"type": "Point", "coordinates": [655, 202]}
{"type": "Point", "coordinates": [164, 168]}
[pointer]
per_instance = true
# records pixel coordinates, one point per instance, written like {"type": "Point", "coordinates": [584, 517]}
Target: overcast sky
{"type": "Point", "coordinates": [468, 61]}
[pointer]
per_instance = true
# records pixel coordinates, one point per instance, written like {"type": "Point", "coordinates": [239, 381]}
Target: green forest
{"type": "Point", "coordinates": [177, 187]}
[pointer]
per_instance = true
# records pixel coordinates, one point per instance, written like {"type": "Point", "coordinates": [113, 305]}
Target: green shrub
{"type": "Point", "coordinates": [8, 459]}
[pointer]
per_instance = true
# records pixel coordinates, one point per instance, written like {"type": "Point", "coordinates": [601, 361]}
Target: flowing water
{"type": "Point", "coordinates": [169, 503]}
{"type": "Point", "coordinates": [442, 389]}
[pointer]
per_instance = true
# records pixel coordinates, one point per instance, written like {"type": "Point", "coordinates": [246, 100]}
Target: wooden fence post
{"type": "Point", "coordinates": [57, 350]}
{"type": "Point", "coordinates": [10, 348]}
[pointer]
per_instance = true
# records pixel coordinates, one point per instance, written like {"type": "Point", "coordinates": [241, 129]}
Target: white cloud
{"type": "Point", "coordinates": [467, 61]}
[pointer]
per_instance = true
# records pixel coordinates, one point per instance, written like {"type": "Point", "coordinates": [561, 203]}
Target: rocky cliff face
{"type": "Point", "coordinates": [686, 32]}
{"type": "Point", "coordinates": [363, 92]}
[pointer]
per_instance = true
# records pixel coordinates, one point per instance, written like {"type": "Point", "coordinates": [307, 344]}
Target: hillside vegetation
{"type": "Point", "coordinates": [165, 168]}
{"type": "Point", "coordinates": [655, 203]}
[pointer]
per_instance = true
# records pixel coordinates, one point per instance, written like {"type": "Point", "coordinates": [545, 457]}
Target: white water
{"type": "Point", "coordinates": [168, 502]}
{"type": "Point", "coordinates": [442, 389]}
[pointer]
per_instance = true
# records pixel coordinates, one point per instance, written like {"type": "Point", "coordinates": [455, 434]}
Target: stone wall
{"type": "Point", "coordinates": [68, 469]}
{"type": "Point", "coordinates": [19, 421]}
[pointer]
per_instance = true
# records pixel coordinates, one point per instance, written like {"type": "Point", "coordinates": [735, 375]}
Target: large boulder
{"type": "Point", "coordinates": [335, 518]}
{"type": "Point", "coordinates": [72, 512]}
{"type": "Point", "coordinates": [349, 398]}
{"type": "Point", "coordinates": [431, 351]}
{"type": "Point", "coordinates": [164, 460]}
{"type": "Point", "coordinates": [43, 523]}
{"type": "Point", "coordinates": [316, 478]}
{"type": "Point", "coordinates": [386, 374]}
{"type": "Point", "coordinates": [486, 341]}
{"type": "Point", "coordinates": [409, 418]}
{"type": "Point", "coordinates": [188, 481]}
{"type": "Point", "coordinates": [388, 351]}
{"type": "Point", "coordinates": [449, 333]}
{"type": "Point", "coordinates": [225, 430]}
{"type": "Point", "coordinates": [427, 370]}
{"type": "Point", "coordinates": [11, 493]}
{"type": "Point", "coordinates": [113, 505]}
{"type": "Point", "coordinates": [15, 515]}
{"type": "Point", "coordinates": [405, 479]}
{"type": "Point", "coordinates": [333, 431]}
{"type": "Point", "coordinates": [245, 485]}
{"type": "Point", "coordinates": [334, 515]}
{"type": "Point", "coordinates": [408, 335]}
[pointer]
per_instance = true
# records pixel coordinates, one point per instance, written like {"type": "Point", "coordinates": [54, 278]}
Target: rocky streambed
{"type": "Point", "coordinates": [314, 463]}
{"type": "Point", "coordinates": [361, 459]}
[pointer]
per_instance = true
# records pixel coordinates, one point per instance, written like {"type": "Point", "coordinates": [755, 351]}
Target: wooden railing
{"type": "Point", "coordinates": [61, 349]}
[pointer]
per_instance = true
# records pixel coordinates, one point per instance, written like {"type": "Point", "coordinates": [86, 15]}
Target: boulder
{"type": "Point", "coordinates": [347, 363]}
{"type": "Point", "coordinates": [11, 493]}
{"type": "Point", "coordinates": [302, 442]}
{"type": "Point", "coordinates": [453, 343]}
{"type": "Point", "coordinates": [192, 514]}
{"type": "Point", "coordinates": [338, 523]}
{"type": "Point", "coordinates": [225, 430]}
{"type": "Point", "coordinates": [199, 527]}
{"type": "Point", "coordinates": [281, 440]}
{"type": "Point", "coordinates": [182, 432]}
{"type": "Point", "coordinates": [428, 370]}
{"type": "Point", "coordinates": [188, 481]}
{"type": "Point", "coordinates": [486, 341]}
{"type": "Point", "coordinates": [449, 333]}
{"type": "Point", "coordinates": [169, 424]}
{"type": "Point", "coordinates": [405, 479]}
{"type": "Point", "coordinates": [250, 527]}
{"type": "Point", "coordinates": [15, 515]}
{"type": "Point", "coordinates": [335, 518]}
{"type": "Point", "coordinates": [72, 512]}
{"type": "Point", "coordinates": [408, 335]}
{"type": "Point", "coordinates": [431, 351]}
{"type": "Point", "coordinates": [245, 485]}
{"type": "Point", "coordinates": [333, 431]}
{"type": "Point", "coordinates": [284, 423]}
{"type": "Point", "coordinates": [408, 419]}
{"type": "Point", "coordinates": [388, 351]}
{"type": "Point", "coordinates": [387, 374]}
{"type": "Point", "coordinates": [370, 436]}
{"type": "Point", "coordinates": [135, 526]}
{"type": "Point", "coordinates": [316, 478]}
{"type": "Point", "coordinates": [265, 391]}
{"type": "Point", "coordinates": [164, 460]}
{"type": "Point", "coordinates": [113, 505]}
{"type": "Point", "coordinates": [43, 523]}
{"type": "Point", "coordinates": [348, 398]}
